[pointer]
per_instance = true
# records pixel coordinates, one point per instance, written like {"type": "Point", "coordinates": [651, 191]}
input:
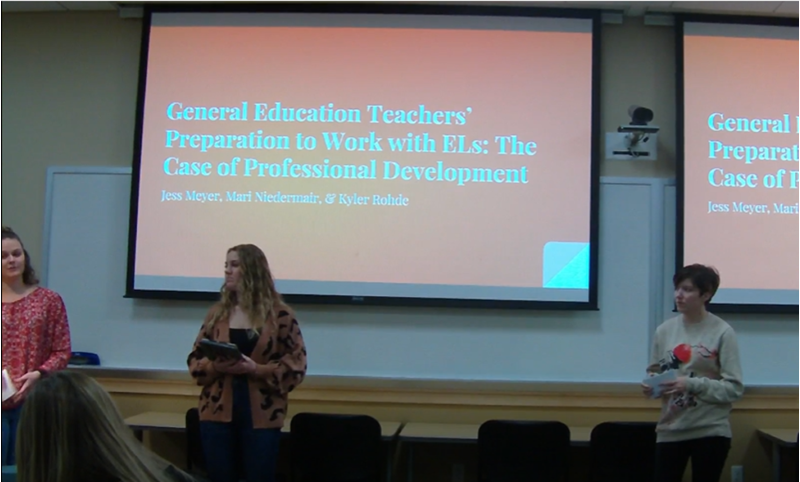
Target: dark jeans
{"type": "Point", "coordinates": [708, 456]}
{"type": "Point", "coordinates": [236, 448]}
{"type": "Point", "coordinates": [10, 422]}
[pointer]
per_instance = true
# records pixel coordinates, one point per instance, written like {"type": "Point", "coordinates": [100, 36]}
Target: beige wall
{"type": "Point", "coordinates": [69, 99]}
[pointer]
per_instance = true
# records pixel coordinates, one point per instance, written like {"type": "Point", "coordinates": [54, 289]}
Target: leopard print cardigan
{"type": "Point", "coordinates": [281, 365]}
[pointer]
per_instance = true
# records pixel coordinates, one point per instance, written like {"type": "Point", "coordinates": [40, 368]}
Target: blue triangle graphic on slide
{"type": "Point", "coordinates": [566, 265]}
{"type": "Point", "coordinates": [557, 255]}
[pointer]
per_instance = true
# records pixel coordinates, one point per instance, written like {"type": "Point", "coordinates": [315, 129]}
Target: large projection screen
{"type": "Point", "coordinates": [738, 176]}
{"type": "Point", "coordinates": [445, 159]}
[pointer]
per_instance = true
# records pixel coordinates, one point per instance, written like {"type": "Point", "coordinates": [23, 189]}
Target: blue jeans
{"type": "Point", "coordinates": [10, 422]}
{"type": "Point", "coordinates": [236, 448]}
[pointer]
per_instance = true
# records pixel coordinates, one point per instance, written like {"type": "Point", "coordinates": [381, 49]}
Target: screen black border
{"type": "Point", "coordinates": [388, 9]}
{"type": "Point", "coordinates": [680, 159]}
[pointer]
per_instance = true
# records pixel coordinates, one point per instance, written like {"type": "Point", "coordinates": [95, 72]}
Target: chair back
{"type": "Point", "coordinates": [335, 448]}
{"type": "Point", "coordinates": [623, 452]}
{"type": "Point", "coordinates": [523, 451]}
{"type": "Point", "coordinates": [194, 442]}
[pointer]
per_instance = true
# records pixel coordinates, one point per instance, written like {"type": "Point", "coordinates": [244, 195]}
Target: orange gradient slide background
{"type": "Point", "coordinates": [753, 78]}
{"type": "Point", "coordinates": [535, 85]}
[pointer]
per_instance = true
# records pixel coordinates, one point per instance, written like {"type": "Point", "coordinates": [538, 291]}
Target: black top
{"type": "Point", "coordinates": [245, 340]}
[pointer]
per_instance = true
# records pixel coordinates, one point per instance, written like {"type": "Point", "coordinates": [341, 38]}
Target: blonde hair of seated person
{"type": "Point", "coordinates": [70, 430]}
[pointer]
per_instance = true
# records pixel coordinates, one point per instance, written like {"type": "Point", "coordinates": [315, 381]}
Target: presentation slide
{"type": "Point", "coordinates": [369, 155]}
{"type": "Point", "coordinates": [740, 170]}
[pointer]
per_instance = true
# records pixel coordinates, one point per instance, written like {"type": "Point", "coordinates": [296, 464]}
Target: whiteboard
{"type": "Point", "coordinates": [85, 260]}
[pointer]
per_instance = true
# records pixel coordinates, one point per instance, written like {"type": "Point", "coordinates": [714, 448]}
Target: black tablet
{"type": "Point", "coordinates": [218, 350]}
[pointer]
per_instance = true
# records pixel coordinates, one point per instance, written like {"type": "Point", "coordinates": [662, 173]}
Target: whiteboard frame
{"type": "Point", "coordinates": [52, 172]}
{"type": "Point", "coordinates": [659, 275]}
{"type": "Point", "coordinates": [657, 224]}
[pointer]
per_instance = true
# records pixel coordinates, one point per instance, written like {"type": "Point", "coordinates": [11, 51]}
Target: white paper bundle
{"type": "Point", "coordinates": [656, 380]}
{"type": "Point", "coordinates": [8, 386]}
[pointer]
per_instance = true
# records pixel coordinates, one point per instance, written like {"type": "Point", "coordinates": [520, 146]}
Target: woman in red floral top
{"type": "Point", "coordinates": [35, 333]}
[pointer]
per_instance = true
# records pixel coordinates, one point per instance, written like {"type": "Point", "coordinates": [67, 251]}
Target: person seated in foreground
{"type": "Point", "coordinates": [70, 430]}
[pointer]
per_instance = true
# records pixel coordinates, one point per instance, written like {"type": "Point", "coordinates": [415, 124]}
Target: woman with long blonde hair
{"type": "Point", "coordinates": [71, 431]}
{"type": "Point", "coordinates": [243, 402]}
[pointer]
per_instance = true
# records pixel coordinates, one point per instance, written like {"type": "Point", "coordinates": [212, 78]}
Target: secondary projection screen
{"type": "Point", "coordinates": [740, 171]}
{"type": "Point", "coordinates": [401, 157]}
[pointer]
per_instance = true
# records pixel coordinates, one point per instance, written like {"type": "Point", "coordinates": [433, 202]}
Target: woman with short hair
{"type": "Point", "coordinates": [696, 405]}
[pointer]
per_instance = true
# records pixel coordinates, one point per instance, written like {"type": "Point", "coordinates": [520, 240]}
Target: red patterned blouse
{"type": "Point", "coordinates": [35, 334]}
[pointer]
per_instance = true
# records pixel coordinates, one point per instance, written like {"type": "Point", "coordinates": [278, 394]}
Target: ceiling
{"type": "Point", "coordinates": [778, 9]}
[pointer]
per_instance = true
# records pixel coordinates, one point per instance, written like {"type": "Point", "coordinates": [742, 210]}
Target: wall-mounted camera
{"type": "Point", "coordinates": [640, 117]}
{"type": "Point", "coordinates": [636, 140]}
{"type": "Point", "coordinates": [642, 129]}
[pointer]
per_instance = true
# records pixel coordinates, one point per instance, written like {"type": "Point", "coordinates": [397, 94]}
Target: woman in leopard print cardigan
{"type": "Point", "coordinates": [243, 403]}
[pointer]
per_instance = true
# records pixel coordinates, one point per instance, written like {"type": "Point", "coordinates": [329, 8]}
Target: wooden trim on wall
{"type": "Point", "coordinates": [383, 391]}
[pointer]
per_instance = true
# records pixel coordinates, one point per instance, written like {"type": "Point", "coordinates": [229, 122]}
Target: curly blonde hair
{"type": "Point", "coordinates": [256, 294]}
